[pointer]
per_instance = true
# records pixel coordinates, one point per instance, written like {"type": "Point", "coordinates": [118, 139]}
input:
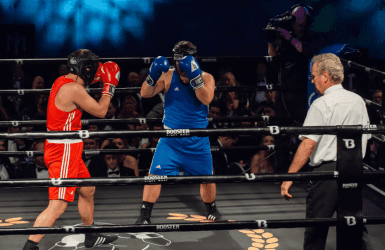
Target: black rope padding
{"type": "Point", "coordinates": [273, 130]}
{"type": "Point", "coordinates": [155, 180]}
{"type": "Point", "coordinates": [175, 227]}
{"type": "Point", "coordinates": [264, 118]}
{"type": "Point", "coordinates": [183, 227]}
{"type": "Point", "coordinates": [127, 90]}
{"type": "Point", "coordinates": [146, 60]}
{"type": "Point", "coordinates": [91, 152]}
{"type": "Point", "coordinates": [146, 180]}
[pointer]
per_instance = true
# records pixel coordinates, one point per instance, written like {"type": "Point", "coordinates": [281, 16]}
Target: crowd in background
{"type": "Point", "coordinates": [225, 104]}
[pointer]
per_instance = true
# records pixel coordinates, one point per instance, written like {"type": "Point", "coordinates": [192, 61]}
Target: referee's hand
{"type": "Point", "coordinates": [285, 188]}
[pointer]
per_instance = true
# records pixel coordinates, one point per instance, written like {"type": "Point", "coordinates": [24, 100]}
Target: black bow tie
{"type": "Point", "coordinates": [117, 172]}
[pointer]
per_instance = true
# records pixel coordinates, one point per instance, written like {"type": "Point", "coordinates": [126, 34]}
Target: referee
{"type": "Point", "coordinates": [336, 106]}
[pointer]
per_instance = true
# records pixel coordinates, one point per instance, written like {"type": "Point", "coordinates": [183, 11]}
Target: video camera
{"type": "Point", "coordinates": [283, 21]}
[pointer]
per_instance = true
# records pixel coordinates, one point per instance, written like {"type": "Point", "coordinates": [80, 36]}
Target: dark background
{"type": "Point", "coordinates": [149, 28]}
{"type": "Point", "coordinates": [116, 28]}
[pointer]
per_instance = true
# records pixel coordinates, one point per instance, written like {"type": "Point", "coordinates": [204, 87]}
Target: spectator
{"type": "Point", "coordinates": [133, 79]}
{"type": "Point", "coordinates": [229, 80]}
{"type": "Point", "coordinates": [157, 111]}
{"type": "Point", "coordinates": [138, 142]}
{"type": "Point", "coordinates": [377, 97]}
{"type": "Point", "coordinates": [222, 71]}
{"type": "Point", "coordinates": [269, 102]}
{"type": "Point", "coordinates": [110, 166]}
{"type": "Point", "coordinates": [373, 149]}
{"type": "Point", "coordinates": [36, 168]}
{"type": "Point", "coordinates": [16, 145]}
{"type": "Point", "coordinates": [36, 110]}
{"type": "Point", "coordinates": [260, 81]}
{"type": "Point", "coordinates": [128, 160]}
{"type": "Point", "coordinates": [214, 111]}
{"type": "Point", "coordinates": [105, 143]}
{"type": "Point", "coordinates": [261, 163]}
{"type": "Point", "coordinates": [129, 110]}
{"type": "Point", "coordinates": [143, 74]}
{"type": "Point", "coordinates": [6, 169]}
{"type": "Point", "coordinates": [63, 70]}
{"type": "Point", "coordinates": [93, 127]}
{"type": "Point", "coordinates": [90, 160]}
{"type": "Point", "coordinates": [38, 82]}
{"type": "Point", "coordinates": [12, 103]}
{"type": "Point", "coordinates": [220, 160]}
{"type": "Point", "coordinates": [111, 114]}
{"type": "Point", "coordinates": [374, 114]}
{"type": "Point", "coordinates": [231, 106]}
{"type": "Point", "coordinates": [3, 113]}
{"type": "Point", "coordinates": [145, 159]}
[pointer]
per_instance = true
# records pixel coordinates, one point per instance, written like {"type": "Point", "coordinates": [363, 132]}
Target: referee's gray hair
{"type": "Point", "coordinates": [332, 64]}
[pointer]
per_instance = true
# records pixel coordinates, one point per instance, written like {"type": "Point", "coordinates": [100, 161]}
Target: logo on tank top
{"type": "Point", "coordinates": [176, 89]}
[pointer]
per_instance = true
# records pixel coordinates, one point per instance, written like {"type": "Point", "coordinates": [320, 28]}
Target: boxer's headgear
{"type": "Point", "coordinates": [182, 49]}
{"type": "Point", "coordinates": [83, 63]}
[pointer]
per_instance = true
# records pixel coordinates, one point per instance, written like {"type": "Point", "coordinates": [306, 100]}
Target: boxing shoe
{"type": "Point", "coordinates": [213, 213]}
{"type": "Point", "coordinates": [144, 217]}
{"type": "Point", "coordinates": [30, 246]}
{"type": "Point", "coordinates": [97, 239]}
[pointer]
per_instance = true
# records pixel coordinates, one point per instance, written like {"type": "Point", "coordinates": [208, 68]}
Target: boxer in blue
{"type": "Point", "coordinates": [188, 92]}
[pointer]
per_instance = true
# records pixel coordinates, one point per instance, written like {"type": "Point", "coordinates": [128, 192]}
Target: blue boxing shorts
{"type": "Point", "coordinates": [192, 155]}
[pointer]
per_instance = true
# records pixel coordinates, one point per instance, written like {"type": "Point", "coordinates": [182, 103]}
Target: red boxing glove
{"type": "Point", "coordinates": [110, 74]}
{"type": "Point", "coordinates": [98, 74]}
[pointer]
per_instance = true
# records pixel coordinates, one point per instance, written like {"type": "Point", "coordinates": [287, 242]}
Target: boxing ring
{"type": "Point", "coordinates": [258, 217]}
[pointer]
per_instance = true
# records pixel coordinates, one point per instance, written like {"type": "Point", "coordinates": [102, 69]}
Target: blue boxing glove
{"type": "Point", "coordinates": [159, 65]}
{"type": "Point", "coordinates": [189, 65]}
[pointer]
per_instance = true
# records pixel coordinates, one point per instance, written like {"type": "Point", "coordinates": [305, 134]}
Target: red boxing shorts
{"type": "Point", "coordinates": [64, 160]}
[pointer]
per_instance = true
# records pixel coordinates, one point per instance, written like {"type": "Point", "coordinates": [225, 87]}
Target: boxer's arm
{"type": "Point", "coordinates": [205, 94]}
{"type": "Point", "coordinates": [148, 91]}
{"type": "Point", "coordinates": [81, 98]}
{"type": "Point", "coordinates": [155, 80]}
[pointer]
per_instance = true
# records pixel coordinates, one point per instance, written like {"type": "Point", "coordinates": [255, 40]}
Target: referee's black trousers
{"type": "Point", "coordinates": [321, 202]}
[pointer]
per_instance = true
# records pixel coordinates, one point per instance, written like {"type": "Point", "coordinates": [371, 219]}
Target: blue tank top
{"type": "Point", "coordinates": [182, 109]}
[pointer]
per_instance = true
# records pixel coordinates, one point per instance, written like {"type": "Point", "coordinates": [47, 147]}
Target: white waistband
{"type": "Point", "coordinates": [64, 140]}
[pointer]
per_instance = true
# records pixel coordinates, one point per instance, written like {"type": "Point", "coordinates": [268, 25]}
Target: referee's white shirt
{"type": "Point", "coordinates": [337, 106]}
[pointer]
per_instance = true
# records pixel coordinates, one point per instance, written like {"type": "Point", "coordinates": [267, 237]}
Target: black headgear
{"type": "Point", "coordinates": [182, 49]}
{"type": "Point", "coordinates": [83, 63]}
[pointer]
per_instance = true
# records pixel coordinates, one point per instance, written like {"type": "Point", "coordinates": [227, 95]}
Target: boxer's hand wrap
{"type": "Point", "coordinates": [159, 65]}
{"type": "Point", "coordinates": [189, 65]}
{"type": "Point", "coordinates": [108, 89]}
{"type": "Point", "coordinates": [110, 74]}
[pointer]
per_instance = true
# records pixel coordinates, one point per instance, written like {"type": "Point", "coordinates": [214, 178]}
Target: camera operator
{"type": "Point", "coordinates": [291, 40]}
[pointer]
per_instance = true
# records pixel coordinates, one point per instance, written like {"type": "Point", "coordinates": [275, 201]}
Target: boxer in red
{"type": "Point", "coordinates": [67, 99]}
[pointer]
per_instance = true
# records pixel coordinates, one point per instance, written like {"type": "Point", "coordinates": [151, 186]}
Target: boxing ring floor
{"type": "Point", "coordinates": [236, 201]}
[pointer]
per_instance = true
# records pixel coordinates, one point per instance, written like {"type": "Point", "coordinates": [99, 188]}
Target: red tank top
{"type": "Point", "coordinates": [58, 120]}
